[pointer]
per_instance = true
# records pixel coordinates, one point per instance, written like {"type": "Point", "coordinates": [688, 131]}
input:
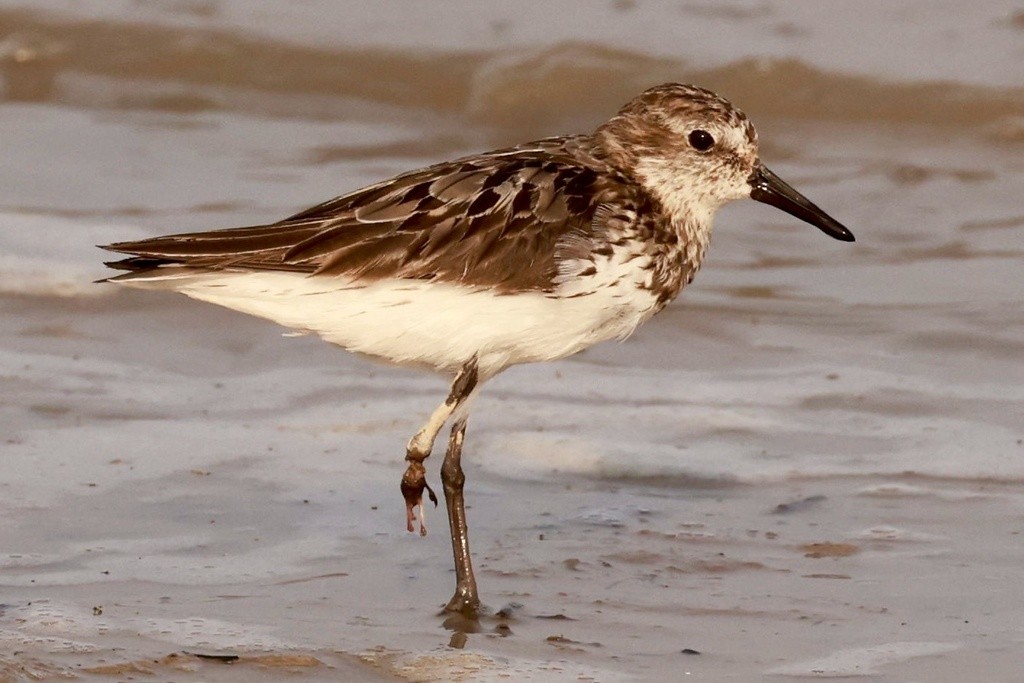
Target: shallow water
{"type": "Point", "coordinates": [210, 487]}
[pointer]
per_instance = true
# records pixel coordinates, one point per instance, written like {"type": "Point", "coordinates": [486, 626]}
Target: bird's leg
{"type": "Point", "coordinates": [466, 600]}
{"type": "Point", "coordinates": [414, 480]}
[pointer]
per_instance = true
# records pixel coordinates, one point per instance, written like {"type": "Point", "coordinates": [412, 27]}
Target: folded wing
{"type": "Point", "coordinates": [490, 220]}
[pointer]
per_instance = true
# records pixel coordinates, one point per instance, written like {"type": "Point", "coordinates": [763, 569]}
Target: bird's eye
{"type": "Point", "coordinates": [701, 140]}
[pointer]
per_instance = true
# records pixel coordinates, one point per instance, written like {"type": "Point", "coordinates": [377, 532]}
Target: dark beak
{"type": "Point", "coordinates": [769, 188]}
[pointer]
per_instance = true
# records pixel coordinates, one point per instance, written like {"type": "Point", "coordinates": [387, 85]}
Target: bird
{"type": "Point", "coordinates": [468, 267]}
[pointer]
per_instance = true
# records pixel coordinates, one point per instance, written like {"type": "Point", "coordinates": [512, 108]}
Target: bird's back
{"type": "Point", "coordinates": [492, 220]}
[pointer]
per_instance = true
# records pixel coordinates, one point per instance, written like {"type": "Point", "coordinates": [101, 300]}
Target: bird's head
{"type": "Point", "coordinates": [694, 151]}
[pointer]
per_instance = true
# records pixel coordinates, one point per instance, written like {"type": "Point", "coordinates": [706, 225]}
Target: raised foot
{"type": "Point", "coordinates": [414, 481]}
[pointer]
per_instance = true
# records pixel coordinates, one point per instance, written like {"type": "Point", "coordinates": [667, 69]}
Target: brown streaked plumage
{"type": "Point", "coordinates": [491, 220]}
{"type": "Point", "coordinates": [470, 266]}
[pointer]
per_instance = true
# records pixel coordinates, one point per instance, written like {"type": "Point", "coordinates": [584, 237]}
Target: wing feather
{"type": "Point", "coordinates": [490, 220]}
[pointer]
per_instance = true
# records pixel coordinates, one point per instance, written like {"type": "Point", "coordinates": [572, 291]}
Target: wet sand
{"type": "Point", "coordinates": [811, 465]}
{"type": "Point", "coordinates": [254, 512]}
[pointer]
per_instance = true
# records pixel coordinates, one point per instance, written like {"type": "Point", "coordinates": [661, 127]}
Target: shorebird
{"type": "Point", "coordinates": [467, 267]}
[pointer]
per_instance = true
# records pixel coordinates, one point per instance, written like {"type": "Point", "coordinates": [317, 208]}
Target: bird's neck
{"type": "Point", "coordinates": [684, 260]}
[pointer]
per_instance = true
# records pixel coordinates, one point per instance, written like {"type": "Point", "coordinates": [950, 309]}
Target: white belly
{"type": "Point", "coordinates": [413, 322]}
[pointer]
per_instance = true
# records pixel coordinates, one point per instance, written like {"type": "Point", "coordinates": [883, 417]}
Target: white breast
{"type": "Point", "coordinates": [414, 322]}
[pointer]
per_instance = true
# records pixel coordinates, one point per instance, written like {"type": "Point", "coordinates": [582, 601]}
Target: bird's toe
{"type": "Point", "coordinates": [414, 482]}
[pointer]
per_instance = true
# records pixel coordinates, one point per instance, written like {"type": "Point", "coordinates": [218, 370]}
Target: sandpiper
{"type": "Point", "coordinates": [467, 267]}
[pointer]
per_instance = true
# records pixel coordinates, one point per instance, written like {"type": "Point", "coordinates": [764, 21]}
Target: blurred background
{"type": "Point", "coordinates": [882, 381]}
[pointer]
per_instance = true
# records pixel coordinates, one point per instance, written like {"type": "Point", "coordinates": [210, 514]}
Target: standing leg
{"type": "Point", "coordinates": [414, 480]}
{"type": "Point", "coordinates": [466, 600]}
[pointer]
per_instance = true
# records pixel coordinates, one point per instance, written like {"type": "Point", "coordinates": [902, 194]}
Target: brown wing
{"type": "Point", "coordinates": [491, 220]}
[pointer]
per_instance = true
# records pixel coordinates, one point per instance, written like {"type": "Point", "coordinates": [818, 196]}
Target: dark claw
{"type": "Point", "coordinates": [414, 481]}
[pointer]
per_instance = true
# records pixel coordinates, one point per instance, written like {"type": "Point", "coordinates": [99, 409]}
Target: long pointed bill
{"type": "Point", "coordinates": [771, 189]}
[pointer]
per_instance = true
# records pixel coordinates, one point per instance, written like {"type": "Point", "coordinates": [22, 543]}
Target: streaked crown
{"type": "Point", "coordinates": [688, 146]}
